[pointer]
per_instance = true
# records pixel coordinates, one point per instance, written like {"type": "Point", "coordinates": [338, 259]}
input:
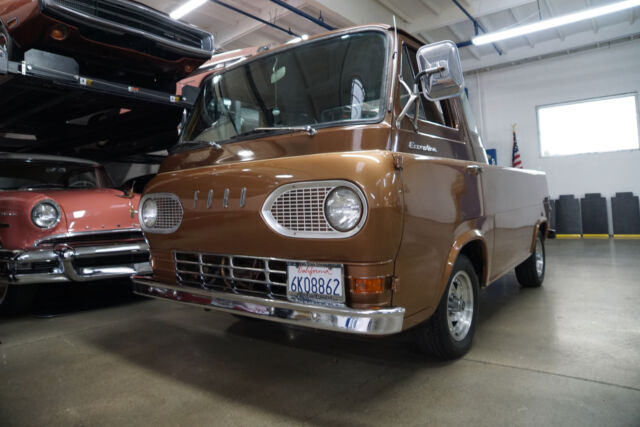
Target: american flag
{"type": "Point", "coordinates": [515, 157]}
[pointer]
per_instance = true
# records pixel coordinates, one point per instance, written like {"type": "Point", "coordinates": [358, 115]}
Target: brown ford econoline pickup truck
{"type": "Point", "coordinates": [340, 184]}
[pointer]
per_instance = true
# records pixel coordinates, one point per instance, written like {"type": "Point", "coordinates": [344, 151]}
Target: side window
{"type": "Point", "coordinates": [439, 112]}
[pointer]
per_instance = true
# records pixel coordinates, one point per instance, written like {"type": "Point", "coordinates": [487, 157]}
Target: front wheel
{"type": "Point", "coordinates": [530, 273]}
{"type": "Point", "coordinates": [448, 334]}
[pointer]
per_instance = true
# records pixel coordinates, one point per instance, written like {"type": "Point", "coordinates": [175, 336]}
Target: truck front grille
{"type": "Point", "coordinates": [302, 209]}
{"type": "Point", "coordinates": [255, 276]}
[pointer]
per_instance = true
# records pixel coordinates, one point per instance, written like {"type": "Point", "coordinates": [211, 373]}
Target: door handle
{"type": "Point", "coordinates": [474, 169]}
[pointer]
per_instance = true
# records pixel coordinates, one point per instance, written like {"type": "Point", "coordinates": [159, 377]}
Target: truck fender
{"type": "Point", "coordinates": [541, 224]}
{"type": "Point", "coordinates": [460, 242]}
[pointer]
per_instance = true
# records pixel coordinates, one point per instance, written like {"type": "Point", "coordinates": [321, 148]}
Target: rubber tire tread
{"type": "Point", "coordinates": [526, 272]}
{"type": "Point", "coordinates": [433, 335]}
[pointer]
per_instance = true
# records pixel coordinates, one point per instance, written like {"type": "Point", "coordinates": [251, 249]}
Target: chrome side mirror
{"type": "Point", "coordinates": [440, 70]}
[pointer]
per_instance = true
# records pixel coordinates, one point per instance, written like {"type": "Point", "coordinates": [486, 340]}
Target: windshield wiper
{"type": "Point", "coordinates": [203, 143]}
{"type": "Point", "coordinates": [309, 129]}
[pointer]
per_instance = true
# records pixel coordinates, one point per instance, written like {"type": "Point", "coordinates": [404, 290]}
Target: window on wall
{"type": "Point", "coordinates": [589, 126]}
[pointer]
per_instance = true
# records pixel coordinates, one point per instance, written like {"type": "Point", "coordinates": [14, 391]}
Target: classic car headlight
{"type": "Point", "coordinates": [45, 214]}
{"type": "Point", "coordinates": [343, 208]}
{"type": "Point", "coordinates": [149, 213]}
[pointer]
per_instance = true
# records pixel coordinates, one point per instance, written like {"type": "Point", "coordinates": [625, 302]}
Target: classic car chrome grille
{"type": "Point", "coordinates": [302, 209]}
{"type": "Point", "coordinates": [232, 273]}
{"type": "Point", "coordinates": [170, 212]}
{"type": "Point", "coordinates": [139, 17]}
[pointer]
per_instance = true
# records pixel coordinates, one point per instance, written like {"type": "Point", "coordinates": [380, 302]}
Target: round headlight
{"type": "Point", "coordinates": [149, 213]}
{"type": "Point", "coordinates": [343, 208]}
{"type": "Point", "coordinates": [45, 214]}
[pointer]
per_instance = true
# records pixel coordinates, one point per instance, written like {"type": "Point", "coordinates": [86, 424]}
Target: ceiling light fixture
{"type": "Point", "coordinates": [554, 22]}
{"type": "Point", "coordinates": [186, 8]}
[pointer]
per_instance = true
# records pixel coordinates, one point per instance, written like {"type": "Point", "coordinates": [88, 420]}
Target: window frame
{"type": "Point", "coordinates": [453, 111]}
{"type": "Point", "coordinates": [582, 101]}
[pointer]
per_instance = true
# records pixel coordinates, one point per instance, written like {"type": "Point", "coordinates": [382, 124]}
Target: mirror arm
{"type": "Point", "coordinates": [413, 98]}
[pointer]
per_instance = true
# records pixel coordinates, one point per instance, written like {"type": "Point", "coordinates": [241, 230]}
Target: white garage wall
{"type": "Point", "coordinates": [510, 95]}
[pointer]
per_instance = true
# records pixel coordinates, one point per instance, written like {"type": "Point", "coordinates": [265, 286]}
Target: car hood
{"type": "Point", "coordinates": [96, 209]}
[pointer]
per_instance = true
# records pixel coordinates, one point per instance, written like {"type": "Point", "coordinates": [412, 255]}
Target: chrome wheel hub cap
{"type": "Point", "coordinates": [539, 258]}
{"type": "Point", "coordinates": [460, 306]}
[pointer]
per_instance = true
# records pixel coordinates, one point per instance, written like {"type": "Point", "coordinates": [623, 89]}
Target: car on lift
{"type": "Point", "coordinates": [61, 220]}
{"type": "Point", "coordinates": [340, 183]}
{"type": "Point", "coordinates": [119, 40]}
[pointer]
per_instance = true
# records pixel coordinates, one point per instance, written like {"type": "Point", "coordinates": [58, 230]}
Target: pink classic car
{"type": "Point", "coordinates": [61, 221]}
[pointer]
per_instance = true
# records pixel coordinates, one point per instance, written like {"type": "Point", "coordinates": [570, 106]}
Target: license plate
{"type": "Point", "coordinates": [315, 283]}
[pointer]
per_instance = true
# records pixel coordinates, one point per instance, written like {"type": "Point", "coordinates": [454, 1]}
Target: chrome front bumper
{"type": "Point", "coordinates": [382, 321]}
{"type": "Point", "coordinates": [18, 266]}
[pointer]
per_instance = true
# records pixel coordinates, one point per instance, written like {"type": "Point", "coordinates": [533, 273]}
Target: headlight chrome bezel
{"type": "Point", "coordinates": [327, 208]}
{"type": "Point", "coordinates": [49, 202]}
{"type": "Point", "coordinates": [329, 186]}
{"type": "Point", "coordinates": [169, 213]}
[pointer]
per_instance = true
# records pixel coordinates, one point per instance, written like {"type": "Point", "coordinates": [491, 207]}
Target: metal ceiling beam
{"type": "Point", "coordinates": [431, 8]}
{"type": "Point", "coordinates": [517, 21]}
{"type": "Point", "coordinates": [257, 18]}
{"type": "Point", "coordinates": [303, 14]}
{"type": "Point", "coordinates": [450, 15]}
{"type": "Point", "coordinates": [594, 23]}
{"type": "Point", "coordinates": [472, 49]}
{"type": "Point", "coordinates": [395, 10]}
{"type": "Point", "coordinates": [477, 25]}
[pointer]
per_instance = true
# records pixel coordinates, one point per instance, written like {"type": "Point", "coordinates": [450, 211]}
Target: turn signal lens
{"type": "Point", "coordinates": [59, 33]}
{"type": "Point", "coordinates": [362, 285]}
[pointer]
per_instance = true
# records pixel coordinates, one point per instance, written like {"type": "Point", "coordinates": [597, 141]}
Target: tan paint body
{"type": "Point", "coordinates": [423, 209]}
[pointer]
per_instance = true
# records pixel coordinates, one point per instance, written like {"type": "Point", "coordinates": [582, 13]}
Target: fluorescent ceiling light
{"type": "Point", "coordinates": [186, 8]}
{"type": "Point", "coordinates": [554, 22]}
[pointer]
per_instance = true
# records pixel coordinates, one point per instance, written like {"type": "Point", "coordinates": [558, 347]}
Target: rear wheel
{"type": "Point", "coordinates": [530, 274]}
{"type": "Point", "coordinates": [448, 334]}
{"type": "Point", "coordinates": [17, 299]}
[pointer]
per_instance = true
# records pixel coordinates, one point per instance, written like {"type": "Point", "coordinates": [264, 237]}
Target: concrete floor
{"type": "Point", "coordinates": [565, 354]}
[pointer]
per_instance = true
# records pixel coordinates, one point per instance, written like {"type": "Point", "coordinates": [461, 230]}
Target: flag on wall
{"type": "Point", "coordinates": [515, 158]}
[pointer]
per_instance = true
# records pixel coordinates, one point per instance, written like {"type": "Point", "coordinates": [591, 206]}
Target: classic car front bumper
{"type": "Point", "coordinates": [382, 321]}
{"type": "Point", "coordinates": [65, 263]}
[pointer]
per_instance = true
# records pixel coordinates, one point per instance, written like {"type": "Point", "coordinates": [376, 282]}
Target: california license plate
{"type": "Point", "coordinates": [315, 283]}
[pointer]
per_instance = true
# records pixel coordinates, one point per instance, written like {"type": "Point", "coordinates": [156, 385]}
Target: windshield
{"type": "Point", "coordinates": [22, 175]}
{"type": "Point", "coordinates": [330, 81]}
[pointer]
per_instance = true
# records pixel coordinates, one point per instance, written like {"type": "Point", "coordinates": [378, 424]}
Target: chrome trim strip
{"type": "Point", "coordinates": [158, 196]}
{"type": "Point", "coordinates": [86, 233]}
{"type": "Point", "coordinates": [269, 219]}
{"type": "Point", "coordinates": [383, 321]}
{"type": "Point", "coordinates": [204, 51]}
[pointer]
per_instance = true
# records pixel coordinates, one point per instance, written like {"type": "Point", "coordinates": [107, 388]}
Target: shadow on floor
{"type": "Point", "coordinates": [61, 299]}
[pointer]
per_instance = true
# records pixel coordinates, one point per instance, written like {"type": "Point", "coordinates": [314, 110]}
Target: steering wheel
{"type": "Point", "coordinates": [82, 184]}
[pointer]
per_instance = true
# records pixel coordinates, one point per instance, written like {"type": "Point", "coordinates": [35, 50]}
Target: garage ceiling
{"type": "Point", "coordinates": [429, 20]}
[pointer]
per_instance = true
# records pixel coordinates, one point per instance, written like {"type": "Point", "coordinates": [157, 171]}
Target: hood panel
{"type": "Point", "coordinates": [328, 140]}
